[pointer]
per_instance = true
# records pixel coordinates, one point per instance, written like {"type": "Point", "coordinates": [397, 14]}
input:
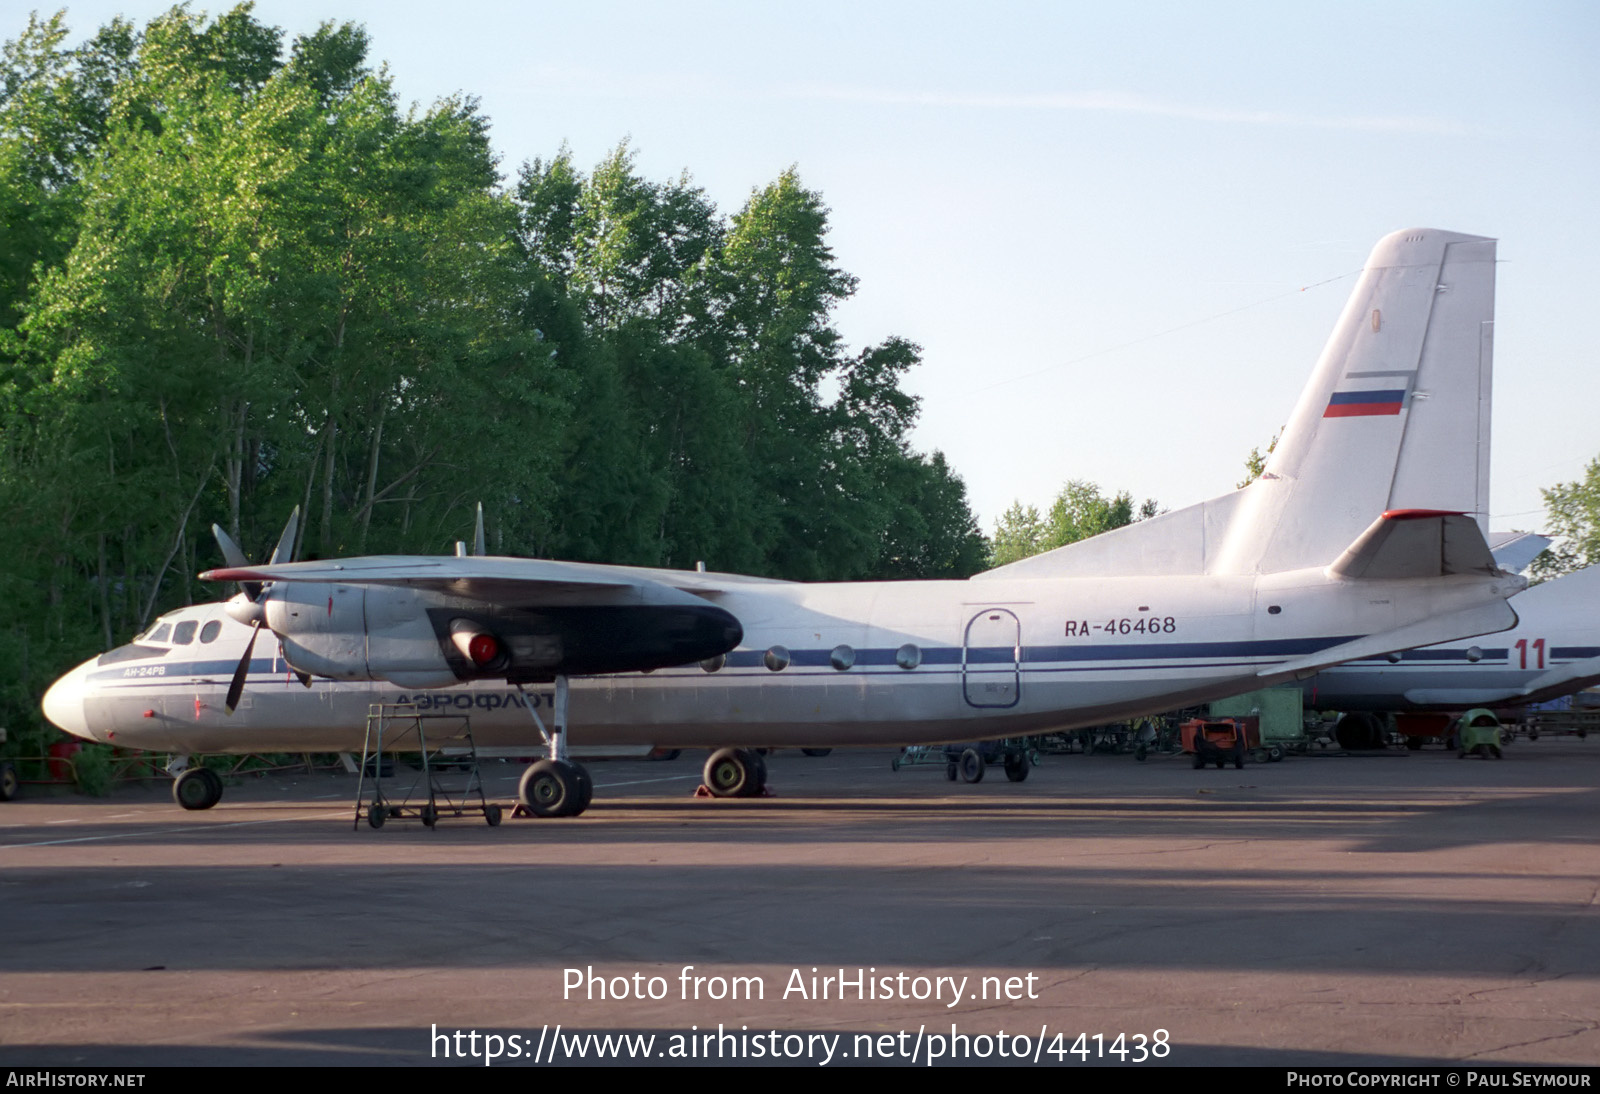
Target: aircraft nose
{"type": "Point", "coordinates": [63, 703]}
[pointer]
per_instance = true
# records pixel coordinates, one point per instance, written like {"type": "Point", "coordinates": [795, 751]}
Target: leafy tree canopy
{"type": "Point", "coordinates": [237, 277]}
{"type": "Point", "coordinates": [1574, 511]}
{"type": "Point", "coordinates": [1256, 462]}
{"type": "Point", "coordinates": [1079, 511]}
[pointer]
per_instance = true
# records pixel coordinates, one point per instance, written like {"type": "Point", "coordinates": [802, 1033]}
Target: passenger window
{"type": "Point", "coordinates": [184, 634]}
{"type": "Point", "coordinates": [209, 632]}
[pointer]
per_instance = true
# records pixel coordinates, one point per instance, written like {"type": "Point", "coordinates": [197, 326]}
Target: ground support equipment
{"type": "Point", "coordinates": [447, 783]}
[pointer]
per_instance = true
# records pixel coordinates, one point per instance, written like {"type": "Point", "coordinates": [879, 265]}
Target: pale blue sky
{"type": "Point", "coordinates": [1024, 188]}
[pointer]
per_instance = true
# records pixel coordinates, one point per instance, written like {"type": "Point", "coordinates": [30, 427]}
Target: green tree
{"type": "Point", "coordinates": [244, 282]}
{"type": "Point", "coordinates": [931, 532]}
{"type": "Point", "coordinates": [1256, 462]}
{"type": "Point", "coordinates": [1574, 512]}
{"type": "Point", "coordinates": [1079, 511]}
{"type": "Point", "coordinates": [1019, 533]}
{"type": "Point", "coordinates": [614, 270]}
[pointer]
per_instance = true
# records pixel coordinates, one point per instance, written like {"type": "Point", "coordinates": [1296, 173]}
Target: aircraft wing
{"type": "Point", "coordinates": [512, 582]}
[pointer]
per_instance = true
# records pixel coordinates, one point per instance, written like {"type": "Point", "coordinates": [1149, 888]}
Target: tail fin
{"type": "Point", "coordinates": [1395, 417]}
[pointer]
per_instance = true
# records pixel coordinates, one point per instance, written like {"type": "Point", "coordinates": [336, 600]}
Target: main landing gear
{"type": "Point", "coordinates": [197, 788]}
{"type": "Point", "coordinates": [1358, 732]}
{"type": "Point", "coordinates": [554, 787]}
{"type": "Point", "coordinates": [735, 773]}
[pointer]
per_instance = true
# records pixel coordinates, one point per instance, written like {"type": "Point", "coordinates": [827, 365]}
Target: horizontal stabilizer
{"type": "Point", "coordinates": [1515, 551]}
{"type": "Point", "coordinates": [1416, 543]}
{"type": "Point", "coordinates": [1483, 619]}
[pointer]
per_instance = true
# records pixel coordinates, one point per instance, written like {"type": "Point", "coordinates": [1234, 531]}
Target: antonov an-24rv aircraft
{"type": "Point", "coordinates": [1362, 536]}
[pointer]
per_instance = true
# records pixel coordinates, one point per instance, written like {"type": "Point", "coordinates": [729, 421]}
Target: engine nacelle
{"type": "Point", "coordinates": [355, 632]}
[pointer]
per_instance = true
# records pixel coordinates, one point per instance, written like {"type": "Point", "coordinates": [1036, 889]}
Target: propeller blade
{"type": "Point", "coordinates": [284, 551]}
{"type": "Point", "coordinates": [233, 554]}
{"type": "Point", "coordinates": [477, 534]}
{"type": "Point", "coordinates": [236, 688]}
{"type": "Point", "coordinates": [304, 678]}
{"type": "Point", "coordinates": [231, 551]}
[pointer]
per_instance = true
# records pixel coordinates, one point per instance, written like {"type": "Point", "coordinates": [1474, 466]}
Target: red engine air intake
{"type": "Point", "coordinates": [480, 647]}
{"type": "Point", "coordinates": [483, 648]}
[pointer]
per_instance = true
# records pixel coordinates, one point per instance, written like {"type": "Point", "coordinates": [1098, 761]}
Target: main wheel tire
{"type": "Point", "coordinates": [429, 815]}
{"type": "Point", "coordinates": [549, 788]}
{"type": "Point", "coordinates": [491, 814]}
{"type": "Point", "coordinates": [197, 788]}
{"type": "Point", "coordinates": [585, 788]}
{"type": "Point", "coordinates": [377, 815]}
{"type": "Point", "coordinates": [972, 765]}
{"type": "Point", "coordinates": [733, 773]}
{"type": "Point", "coordinates": [951, 771]}
{"type": "Point", "coordinates": [1016, 766]}
{"type": "Point", "coordinates": [9, 783]}
{"type": "Point", "coordinates": [1358, 733]}
{"type": "Point", "coordinates": [816, 753]}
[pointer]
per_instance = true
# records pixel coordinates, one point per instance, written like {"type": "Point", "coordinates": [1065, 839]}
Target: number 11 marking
{"type": "Point", "coordinates": [1538, 648]}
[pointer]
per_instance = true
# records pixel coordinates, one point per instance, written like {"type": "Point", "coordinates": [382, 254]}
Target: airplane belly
{"type": "Point", "coordinates": [1376, 689]}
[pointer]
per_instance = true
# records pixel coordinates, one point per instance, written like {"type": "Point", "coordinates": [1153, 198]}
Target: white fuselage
{"type": "Point", "coordinates": [850, 664]}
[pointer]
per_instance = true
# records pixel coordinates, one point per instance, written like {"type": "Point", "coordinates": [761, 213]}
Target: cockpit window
{"type": "Point", "coordinates": [209, 632]}
{"type": "Point", "coordinates": [132, 653]}
{"type": "Point", "coordinates": [161, 633]}
{"type": "Point", "coordinates": [183, 634]}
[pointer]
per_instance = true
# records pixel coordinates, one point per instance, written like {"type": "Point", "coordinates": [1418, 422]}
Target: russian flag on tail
{"type": "Point", "coordinates": [1359, 404]}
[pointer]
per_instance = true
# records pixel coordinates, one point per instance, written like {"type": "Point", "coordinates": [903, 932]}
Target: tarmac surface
{"type": "Point", "coordinates": [1391, 908]}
